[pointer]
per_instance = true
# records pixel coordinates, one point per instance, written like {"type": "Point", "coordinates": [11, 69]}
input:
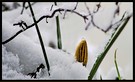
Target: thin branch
{"type": "Point", "coordinates": [40, 38]}
{"type": "Point", "coordinates": [118, 22]}
{"type": "Point", "coordinates": [41, 18]}
{"type": "Point", "coordinates": [31, 5]}
{"type": "Point", "coordinates": [92, 17]}
{"type": "Point", "coordinates": [72, 10]}
{"type": "Point", "coordinates": [51, 7]}
{"type": "Point", "coordinates": [98, 6]}
{"type": "Point", "coordinates": [59, 10]}
{"type": "Point", "coordinates": [68, 10]}
{"type": "Point", "coordinates": [75, 6]}
{"type": "Point", "coordinates": [118, 9]}
{"type": "Point", "coordinates": [25, 7]}
{"type": "Point", "coordinates": [87, 8]}
{"type": "Point", "coordinates": [64, 14]}
{"type": "Point", "coordinates": [46, 20]}
{"type": "Point", "coordinates": [20, 31]}
{"type": "Point", "coordinates": [8, 40]}
{"type": "Point", "coordinates": [116, 3]}
{"type": "Point", "coordinates": [86, 28]}
{"type": "Point", "coordinates": [111, 24]}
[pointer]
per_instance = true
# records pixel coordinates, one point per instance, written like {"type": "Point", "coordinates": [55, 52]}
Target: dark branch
{"type": "Point", "coordinates": [59, 10]}
{"type": "Point", "coordinates": [12, 37]}
{"type": "Point", "coordinates": [46, 20]}
{"type": "Point", "coordinates": [64, 14]}
{"type": "Point", "coordinates": [111, 24]}
{"type": "Point", "coordinates": [116, 3]}
{"type": "Point", "coordinates": [117, 11]}
{"type": "Point", "coordinates": [72, 10]}
{"type": "Point", "coordinates": [31, 5]}
{"type": "Point", "coordinates": [116, 23]}
{"type": "Point", "coordinates": [86, 28]}
{"type": "Point", "coordinates": [20, 31]}
{"type": "Point", "coordinates": [97, 7]}
{"type": "Point", "coordinates": [34, 74]}
{"type": "Point", "coordinates": [75, 6]}
{"type": "Point", "coordinates": [45, 16]}
{"type": "Point", "coordinates": [51, 7]}
{"type": "Point", "coordinates": [87, 8]}
{"type": "Point", "coordinates": [25, 7]}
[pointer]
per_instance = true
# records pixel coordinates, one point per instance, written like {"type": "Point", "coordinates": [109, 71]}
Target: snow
{"type": "Point", "coordinates": [23, 54]}
{"type": "Point", "coordinates": [112, 74]}
{"type": "Point", "coordinates": [69, 5]}
{"type": "Point", "coordinates": [11, 66]}
{"type": "Point", "coordinates": [101, 15]}
{"type": "Point", "coordinates": [29, 55]}
{"type": "Point", "coordinates": [63, 65]}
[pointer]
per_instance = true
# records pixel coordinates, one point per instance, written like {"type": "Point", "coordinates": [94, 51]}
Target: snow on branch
{"type": "Point", "coordinates": [41, 18]}
{"type": "Point", "coordinates": [85, 17]}
{"type": "Point", "coordinates": [98, 6]}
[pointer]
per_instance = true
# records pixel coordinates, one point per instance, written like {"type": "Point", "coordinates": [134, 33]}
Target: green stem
{"type": "Point", "coordinates": [101, 57]}
{"type": "Point", "coordinates": [40, 38]}
{"type": "Point", "coordinates": [116, 65]}
{"type": "Point", "coordinates": [100, 77]}
{"type": "Point", "coordinates": [58, 32]}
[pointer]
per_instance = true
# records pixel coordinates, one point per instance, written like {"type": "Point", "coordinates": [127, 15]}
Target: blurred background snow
{"type": "Point", "coordinates": [26, 45]}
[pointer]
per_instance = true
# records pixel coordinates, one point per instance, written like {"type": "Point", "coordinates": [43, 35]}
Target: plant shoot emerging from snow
{"type": "Point", "coordinates": [37, 49]}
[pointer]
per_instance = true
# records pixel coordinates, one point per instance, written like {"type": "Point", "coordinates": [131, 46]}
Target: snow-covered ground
{"type": "Point", "coordinates": [23, 54]}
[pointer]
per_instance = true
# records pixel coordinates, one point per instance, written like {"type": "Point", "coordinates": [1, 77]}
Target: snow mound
{"type": "Point", "coordinates": [22, 56]}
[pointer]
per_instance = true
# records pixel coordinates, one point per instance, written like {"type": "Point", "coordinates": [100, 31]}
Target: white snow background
{"type": "Point", "coordinates": [23, 54]}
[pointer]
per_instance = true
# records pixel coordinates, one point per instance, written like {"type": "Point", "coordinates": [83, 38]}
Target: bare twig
{"type": "Point", "coordinates": [64, 14]}
{"type": "Point", "coordinates": [25, 7]}
{"type": "Point", "coordinates": [20, 31]}
{"type": "Point", "coordinates": [117, 11]}
{"type": "Point", "coordinates": [86, 28]}
{"type": "Point", "coordinates": [111, 24]}
{"type": "Point", "coordinates": [45, 16]}
{"type": "Point", "coordinates": [116, 3]}
{"type": "Point", "coordinates": [31, 5]}
{"type": "Point", "coordinates": [8, 40]}
{"type": "Point", "coordinates": [51, 7]}
{"type": "Point", "coordinates": [21, 24]}
{"type": "Point", "coordinates": [72, 10]}
{"type": "Point", "coordinates": [94, 24]}
{"type": "Point", "coordinates": [97, 7]}
{"type": "Point", "coordinates": [46, 20]}
{"type": "Point", "coordinates": [40, 39]}
{"type": "Point", "coordinates": [92, 17]}
{"type": "Point", "coordinates": [118, 22]}
{"type": "Point", "coordinates": [87, 8]}
{"type": "Point", "coordinates": [61, 9]}
{"type": "Point", "coordinates": [75, 6]}
{"type": "Point", "coordinates": [68, 10]}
